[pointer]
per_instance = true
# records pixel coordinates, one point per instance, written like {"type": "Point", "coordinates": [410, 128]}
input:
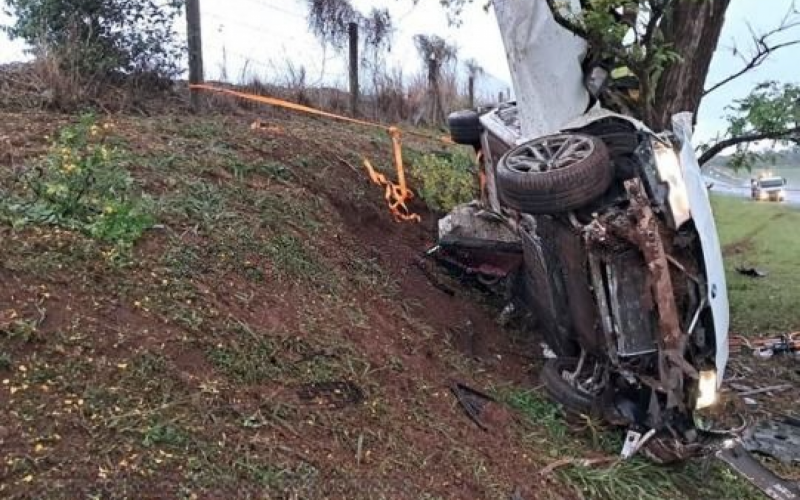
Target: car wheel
{"type": "Point", "coordinates": [552, 174]}
{"type": "Point", "coordinates": [573, 399]}
{"type": "Point", "coordinates": [465, 127]}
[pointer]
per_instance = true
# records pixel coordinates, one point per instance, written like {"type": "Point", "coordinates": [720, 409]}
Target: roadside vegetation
{"type": "Point", "coordinates": [82, 184]}
{"type": "Point", "coordinates": [764, 236]}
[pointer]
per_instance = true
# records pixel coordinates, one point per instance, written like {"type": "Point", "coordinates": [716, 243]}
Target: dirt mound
{"type": "Point", "coordinates": [276, 270]}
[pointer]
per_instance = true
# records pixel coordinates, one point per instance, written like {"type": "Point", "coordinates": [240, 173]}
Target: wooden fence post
{"type": "Point", "coordinates": [195, 42]}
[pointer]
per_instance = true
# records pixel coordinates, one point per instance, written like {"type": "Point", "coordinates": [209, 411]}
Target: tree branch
{"type": "Point", "coordinates": [742, 139]}
{"type": "Point", "coordinates": [755, 61]}
{"type": "Point", "coordinates": [657, 10]}
{"type": "Point", "coordinates": [763, 49]}
{"type": "Point", "coordinates": [568, 24]}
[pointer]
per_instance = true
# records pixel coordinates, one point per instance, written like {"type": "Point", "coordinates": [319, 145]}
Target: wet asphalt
{"type": "Point", "coordinates": [730, 186]}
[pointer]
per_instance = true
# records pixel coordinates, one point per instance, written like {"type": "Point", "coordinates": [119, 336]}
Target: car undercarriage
{"type": "Point", "coordinates": [592, 231]}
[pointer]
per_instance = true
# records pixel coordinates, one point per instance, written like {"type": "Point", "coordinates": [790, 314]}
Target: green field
{"type": "Point", "coordinates": [767, 237]}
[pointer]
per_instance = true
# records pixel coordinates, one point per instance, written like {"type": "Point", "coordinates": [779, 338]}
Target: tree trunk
{"type": "Point", "coordinates": [436, 116]}
{"type": "Point", "coordinates": [692, 28]}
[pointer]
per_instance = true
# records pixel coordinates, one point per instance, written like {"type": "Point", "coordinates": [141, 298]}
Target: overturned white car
{"type": "Point", "coordinates": [610, 239]}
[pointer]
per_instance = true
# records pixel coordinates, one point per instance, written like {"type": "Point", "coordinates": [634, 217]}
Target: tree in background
{"type": "Point", "coordinates": [329, 21]}
{"type": "Point", "coordinates": [435, 53]}
{"type": "Point", "coordinates": [669, 45]}
{"type": "Point", "coordinates": [101, 38]}
{"type": "Point", "coordinates": [770, 113]}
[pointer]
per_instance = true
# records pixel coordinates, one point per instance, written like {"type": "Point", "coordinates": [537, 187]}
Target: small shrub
{"type": "Point", "coordinates": [5, 361]}
{"type": "Point", "coordinates": [101, 37]}
{"type": "Point", "coordinates": [81, 184]}
{"type": "Point", "coordinates": [445, 180]}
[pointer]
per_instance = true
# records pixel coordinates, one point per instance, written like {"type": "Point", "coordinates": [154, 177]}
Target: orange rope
{"type": "Point", "coordinates": [396, 194]}
{"type": "Point", "coordinates": [272, 101]}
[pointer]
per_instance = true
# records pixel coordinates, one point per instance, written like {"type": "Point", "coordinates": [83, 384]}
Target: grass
{"type": "Point", "coordinates": [445, 180]}
{"type": "Point", "coordinates": [764, 236]}
{"type": "Point", "coordinates": [752, 234]}
{"type": "Point", "coordinates": [547, 431]}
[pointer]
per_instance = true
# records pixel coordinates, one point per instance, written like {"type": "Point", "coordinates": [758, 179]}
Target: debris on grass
{"type": "Point", "coordinates": [472, 401]}
{"type": "Point", "coordinates": [752, 272]}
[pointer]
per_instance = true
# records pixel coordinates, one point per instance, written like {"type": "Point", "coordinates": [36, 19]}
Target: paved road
{"type": "Point", "coordinates": [731, 186]}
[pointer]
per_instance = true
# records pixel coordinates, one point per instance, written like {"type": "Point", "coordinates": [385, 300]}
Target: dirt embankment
{"type": "Point", "coordinates": [275, 336]}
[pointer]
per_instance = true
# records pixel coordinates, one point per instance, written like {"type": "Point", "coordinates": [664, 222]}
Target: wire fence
{"type": "Point", "coordinates": [270, 42]}
{"type": "Point", "coordinates": [247, 40]}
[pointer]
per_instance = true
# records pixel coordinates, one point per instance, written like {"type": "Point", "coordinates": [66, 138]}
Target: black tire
{"type": "Point", "coordinates": [560, 391]}
{"type": "Point", "coordinates": [559, 184]}
{"type": "Point", "coordinates": [465, 127]}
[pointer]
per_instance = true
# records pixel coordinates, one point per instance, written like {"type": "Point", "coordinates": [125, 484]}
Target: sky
{"type": "Point", "coordinates": [269, 38]}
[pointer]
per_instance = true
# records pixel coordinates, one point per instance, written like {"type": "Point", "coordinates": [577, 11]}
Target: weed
{"type": "Point", "coordinates": [369, 274]}
{"type": "Point", "coordinates": [24, 330]}
{"type": "Point", "coordinates": [627, 479]}
{"type": "Point", "coordinates": [275, 477]}
{"type": "Point", "coordinates": [121, 222]}
{"type": "Point", "coordinates": [248, 364]}
{"type": "Point", "coordinates": [446, 180]}
{"type": "Point", "coordinates": [291, 257]}
{"type": "Point", "coordinates": [148, 365]}
{"type": "Point", "coordinates": [252, 357]}
{"type": "Point", "coordinates": [166, 434]}
{"type": "Point", "coordinates": [5, 360]}
{"type": "Point", "coordinates": [81, 184]}
{"type": "Point", "coordinates": [204, 129]}
{"type": "Point", "coordinates": [539, 413]}
{"type": "Point", "coordinates": [278, 210]}
{"type": "Point", "coordinates": [275, 170]}
{"type": "Point", "coordinates": [302, 161]}
{"type": "Point", "coordinates": [636, 478]}
{"type": "Point", "coordinates": [199, 202]}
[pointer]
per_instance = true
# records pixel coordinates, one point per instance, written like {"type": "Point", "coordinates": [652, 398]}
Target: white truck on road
{"type": "Point", "coordinates": [768, 188]}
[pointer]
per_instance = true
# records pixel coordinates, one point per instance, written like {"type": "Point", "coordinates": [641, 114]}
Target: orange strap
{"type": "Point", "coordinates": [283, 104]}
{"type": "Point", "coordinates": [396, 194]}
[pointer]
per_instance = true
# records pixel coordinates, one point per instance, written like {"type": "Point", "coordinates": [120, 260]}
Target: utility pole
{"type": "Point", "coordinates": [195, 42]}
{"type": "Point", "coordinates": [352, 30]}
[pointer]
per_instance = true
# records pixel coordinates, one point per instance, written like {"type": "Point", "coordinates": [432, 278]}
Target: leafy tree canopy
{"type": "Point", "coordinates": [100, 37]}
{"type": "Point", "coordinates": [771, 112]}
